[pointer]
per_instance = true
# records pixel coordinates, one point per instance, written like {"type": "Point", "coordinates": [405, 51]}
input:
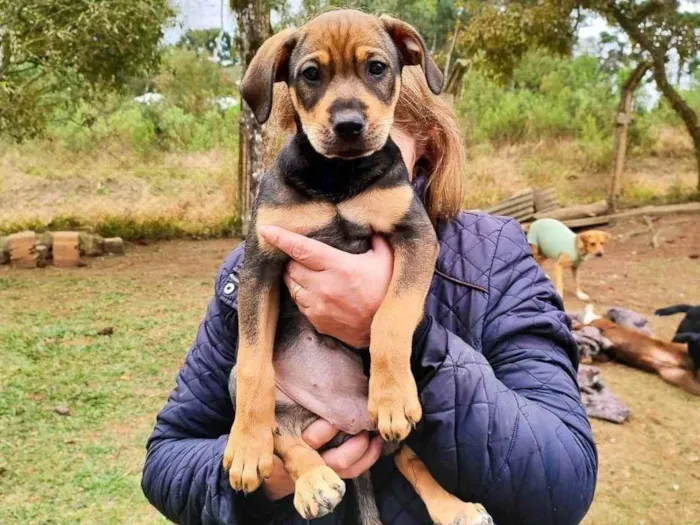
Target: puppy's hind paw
{"type": "Point", "coordinates": [466, 514]}
{"type": "Point", "coordinates": [318, 492]}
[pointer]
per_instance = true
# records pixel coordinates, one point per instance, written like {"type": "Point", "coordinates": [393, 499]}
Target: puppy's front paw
{"type": "Point", "coordinates": [318, 492]}
{"type": "Point", "coordinates": [394, 406]}
{"type": "Point", "coordinates": [248, 458]}
{"type": "Point", "coordinates": [582, 296]}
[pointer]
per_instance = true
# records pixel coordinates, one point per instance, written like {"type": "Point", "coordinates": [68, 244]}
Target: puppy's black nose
{"type": "Point", "coordinates": [599, 254]}
{"type": "Point", "coordinates": [348, 125]}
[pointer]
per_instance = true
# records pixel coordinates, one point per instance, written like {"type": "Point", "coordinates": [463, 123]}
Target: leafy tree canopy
{"type": "Point", "coordinates": [51, 47]}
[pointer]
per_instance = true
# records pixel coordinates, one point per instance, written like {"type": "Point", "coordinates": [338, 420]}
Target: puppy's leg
{"type": "Point", "coordinates": [317, 488]}
{"type": "Point", "coordinates": [579, 293]}
{"type": "Point", "coordinates": [559, 278]}
{"type": "Point", "coordinates": [682, 378]}
{"type": "Point", "coordinates": [393, 397]}
{"type": "Point", "coordinates": [249, 452]}
{"type": "Point", "coordinates": [539, 258]}
{"type": "Point", "coordinates": [443, 507]}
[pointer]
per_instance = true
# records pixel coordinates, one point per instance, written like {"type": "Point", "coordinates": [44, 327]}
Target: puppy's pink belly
{"type": "Point", "coordinates": [326, 380]}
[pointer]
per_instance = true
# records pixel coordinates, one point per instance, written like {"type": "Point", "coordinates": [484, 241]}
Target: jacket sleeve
{"type": "Point", "coordinates": [506, 427]}
{"type": "Point", "coordinates": [183, 476]}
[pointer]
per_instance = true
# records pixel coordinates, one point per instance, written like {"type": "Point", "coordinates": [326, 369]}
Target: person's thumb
{"type": "Point", "coordinates": [381, 247]}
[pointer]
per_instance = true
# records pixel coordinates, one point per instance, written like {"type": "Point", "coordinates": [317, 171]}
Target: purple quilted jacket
{"type": "Point", "coordinates": [495, 363]}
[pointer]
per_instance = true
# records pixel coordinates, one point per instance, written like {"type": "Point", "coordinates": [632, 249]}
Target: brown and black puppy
{"type": "Point", "coordinates": [671, 361]}
{"type": "Point", "coordinates": [339, 180]}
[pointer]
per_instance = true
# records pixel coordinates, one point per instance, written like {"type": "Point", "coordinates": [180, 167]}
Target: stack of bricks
{"type": "Point", "coordinates": [29, 250]}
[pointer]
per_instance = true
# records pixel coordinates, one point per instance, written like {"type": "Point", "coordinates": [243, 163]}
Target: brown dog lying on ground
{"type": "Point", "coordinates": [340, 179]}
{"type": "Point", "coordinates": [552, 239]}
{"type": "Point", "coordinates": [671, 361]}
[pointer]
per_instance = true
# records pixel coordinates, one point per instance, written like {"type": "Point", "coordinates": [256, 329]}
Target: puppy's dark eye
{"type": "Point", "coordinates": [376, 68]}
{"type": "Point", "coordinates": [312, 74]}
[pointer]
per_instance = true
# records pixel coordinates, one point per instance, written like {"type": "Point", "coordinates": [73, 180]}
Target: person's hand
{"type": "Point", "coordinates": [351, 459]}
{"type": "Point", "coordinates": [338, 292]}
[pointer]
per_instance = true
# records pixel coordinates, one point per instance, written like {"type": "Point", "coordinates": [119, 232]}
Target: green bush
{"type": "Point", "coordinates": [548, 97]}
{"type": "Point", "coordinates": [190, 82]}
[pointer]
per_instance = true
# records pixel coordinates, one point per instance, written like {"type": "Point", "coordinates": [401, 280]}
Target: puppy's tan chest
{"type": "Point", "coordinates": [379, 210]}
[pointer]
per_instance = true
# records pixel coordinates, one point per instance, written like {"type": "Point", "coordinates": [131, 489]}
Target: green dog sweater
{"type": "Point", "coordinates": [552, 239]}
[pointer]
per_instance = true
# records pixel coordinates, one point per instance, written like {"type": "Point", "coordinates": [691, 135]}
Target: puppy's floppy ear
{"type": "Point", "coordinates": [413, 52]}
{"type": "Point", "coordinates": [269, 65]}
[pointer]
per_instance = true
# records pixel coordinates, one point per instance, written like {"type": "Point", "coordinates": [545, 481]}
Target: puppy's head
{"type": "Point", "coordinates": [343, 69]}
{"type": "Point", "coordinates": [592, 242]}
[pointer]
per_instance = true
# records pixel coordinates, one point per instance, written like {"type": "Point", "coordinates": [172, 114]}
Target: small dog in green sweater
{"type": "Point", "coordinates": [552, 239]}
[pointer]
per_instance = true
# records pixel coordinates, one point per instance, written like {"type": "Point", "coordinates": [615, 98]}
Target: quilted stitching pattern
{"type": "Point", "coordinates": [503, 422]}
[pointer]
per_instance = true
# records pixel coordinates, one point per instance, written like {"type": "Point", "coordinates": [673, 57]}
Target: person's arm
{"type": "Point", "coordinates": [507, 428]}
{"type": "Point", "coordinates": [182, 476]}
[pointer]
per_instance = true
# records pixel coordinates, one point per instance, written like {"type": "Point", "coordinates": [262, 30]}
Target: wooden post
{"type": "Point", "coordinates": [622, 121]}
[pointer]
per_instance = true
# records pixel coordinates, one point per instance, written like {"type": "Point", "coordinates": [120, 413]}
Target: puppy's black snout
{"type": "Point", "coordinates": [348, 124]}
{"type": "Point", "coordinates": [599, 254]}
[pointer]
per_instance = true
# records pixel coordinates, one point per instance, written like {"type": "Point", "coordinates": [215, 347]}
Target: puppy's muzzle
{"type": "Point", "coordinates": [599, 254]}
{"type": "Point", "coordinates": [348, 124]}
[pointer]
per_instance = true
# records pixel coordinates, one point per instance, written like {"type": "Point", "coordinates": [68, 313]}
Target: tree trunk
{"type": "Point", "coordinates": [684, 111]}
{"type": "Point", "coordinates": [658, 55]}
{"type": "Point", "coordinates": [622, 120]}
{"type": "Point", "coordinates": [458, 26]}
{"type": "Point", "coordinates": [253, 23]}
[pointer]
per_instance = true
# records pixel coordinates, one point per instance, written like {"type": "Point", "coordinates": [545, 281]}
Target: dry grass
{"type": "Point", "coordinates": [44, 185]}
{"type": "Point", "coordinates": [172, 194]}
{"type": "Point", "coordinates": [665, 173]}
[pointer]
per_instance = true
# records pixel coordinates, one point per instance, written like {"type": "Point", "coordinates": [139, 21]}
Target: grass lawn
{"type": "Point", "coordinates": [86, 467]}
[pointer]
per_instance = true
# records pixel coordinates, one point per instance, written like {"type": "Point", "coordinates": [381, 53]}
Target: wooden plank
{"type": "Point", "coordinates": [22, 250]}
{"type": "Point", "coordinates": [588, 221]}
{"type": "Point", "coordinates": [575, 212]}
{"type": "Point", "coordinates": [526, 210]}
{"type": "Point", "coordinates": [514, 209]}
{"type": "Point", "coordinates": [692, 207]}
{"type": "Point", "coordinates": [66, 249]}
{"type": "Point", "coordinates": [546, 199]}
{"type": "Point", "coordinates": [579, 223]}
{"type": "Point", "coordinates": [549, 207]}
{"type": "Point", "coordinates": [510, 202]}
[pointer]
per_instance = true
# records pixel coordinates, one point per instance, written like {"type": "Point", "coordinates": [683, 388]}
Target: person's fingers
{"type": "Point", "coordinates": [369, 458]}
{"type": "Point", "coordinates": [380, 246]}
{"type": "Point", "coordinates": [347, 454]}
{"type": "Point", "coordinates": [297, 292]}
{"type": "Point", "coordinates": [302, 274]}
{"type": "Point", "coordinates": [309, 252]}
{"type": "Point", "coordinates": [319, 433]}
